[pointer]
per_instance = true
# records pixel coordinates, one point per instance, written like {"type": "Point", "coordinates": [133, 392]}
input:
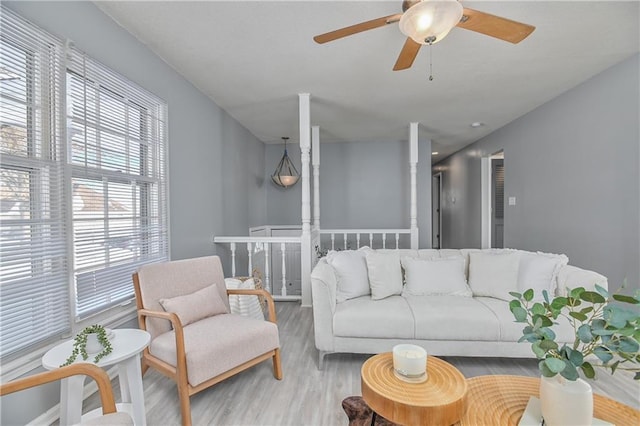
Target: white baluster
{"type": "Point", "coordinates": [397, 239]}
{"type": "Point", "coordinates": [233, 259]}
{"type": "Point", "coordinates": [267, 272]}
{"type": "Point", "coordinates": [344, 236]}
{"type": "Point", "coordinates": [333, 241]}
{"type": "Point", "coordinates": [250, 252]}
{"type": "Point", "coordinates": [283, 291]}
{"type": "Point", "coordinates": [384, 240]}
{"type": "Point", "coordinates": [358, 240]}
{"type": "Point", "coordinates": [371, 239]}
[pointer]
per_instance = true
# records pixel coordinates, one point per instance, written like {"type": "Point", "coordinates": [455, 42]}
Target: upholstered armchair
{"type": "Point", "coordinates": [195, 341]}
{"type": "Point", "coordinates": [109, 414]}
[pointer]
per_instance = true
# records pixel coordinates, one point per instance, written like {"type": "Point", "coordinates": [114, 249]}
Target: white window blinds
{"type": "Point", "coordinates": [34, 269]}
{"type": "Point", "coordinates": [117, 148]}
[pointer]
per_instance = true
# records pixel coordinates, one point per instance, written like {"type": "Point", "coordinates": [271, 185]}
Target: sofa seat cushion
{"type": "Point", "coordinates": [216, 344]}
{"type": "Point", "coordinates": [453, 318]}
{"type": "Point", "coordinates": [364, 317]}
{"type": "Point", "coordinates": [511, 331]}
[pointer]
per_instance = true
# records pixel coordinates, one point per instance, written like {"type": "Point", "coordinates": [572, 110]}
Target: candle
{"type": "Point", "coordinates": [410, 360]}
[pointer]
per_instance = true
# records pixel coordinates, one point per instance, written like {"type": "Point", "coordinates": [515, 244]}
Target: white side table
{"type": "Point", "coordinates": [127, 345]}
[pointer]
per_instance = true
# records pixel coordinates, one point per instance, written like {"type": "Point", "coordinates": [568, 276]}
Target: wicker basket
{"type": "Point", "coordinates": [258, 286]}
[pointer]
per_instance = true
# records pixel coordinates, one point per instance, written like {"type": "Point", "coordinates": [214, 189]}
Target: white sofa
{"type": "Point", "coordinates": [451, 302]}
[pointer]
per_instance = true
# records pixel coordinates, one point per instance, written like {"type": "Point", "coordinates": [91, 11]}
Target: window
{"type": "Point", "coordinates": [83, 186]}
{"type": "Point", "coordinates": [34, 269]}
{"type": "Point", "coordinates": [117, 154]}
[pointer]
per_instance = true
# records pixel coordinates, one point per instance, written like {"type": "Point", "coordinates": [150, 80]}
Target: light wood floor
{"type": "Point", "coordinates": [307, 396]}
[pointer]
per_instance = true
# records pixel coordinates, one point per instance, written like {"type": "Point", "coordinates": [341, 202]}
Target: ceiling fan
{"type": "Point", "coordinates": [429, 21]}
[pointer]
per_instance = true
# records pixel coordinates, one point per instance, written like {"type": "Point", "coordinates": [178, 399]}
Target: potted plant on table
{"type": "Point", "coordinates": [607, 335]}
{"type": "Point", "coordinates": [96, 338]}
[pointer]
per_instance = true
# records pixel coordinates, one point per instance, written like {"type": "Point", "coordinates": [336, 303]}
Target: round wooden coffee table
{"type": "Point", "coordinates": [439, 400]}
{"type": "Point", "coordinates": [501, 400]}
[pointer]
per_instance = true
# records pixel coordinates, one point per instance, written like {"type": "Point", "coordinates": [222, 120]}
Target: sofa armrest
{"type": "Point", "coordinates": [570, 277]}
{"type": "Point", "coordinates": [323, 292]}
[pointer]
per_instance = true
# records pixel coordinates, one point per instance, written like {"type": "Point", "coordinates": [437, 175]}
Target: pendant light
{"type": "Point", "coordinates": [286, 174]}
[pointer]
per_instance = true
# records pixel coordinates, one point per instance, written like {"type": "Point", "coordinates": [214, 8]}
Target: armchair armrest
{"type": "Point", "coordinates": [83, 368]}
{"type": "Point", "coordinates": [177, 328]}
{"type": "Point", "coordinates": [258, 292]}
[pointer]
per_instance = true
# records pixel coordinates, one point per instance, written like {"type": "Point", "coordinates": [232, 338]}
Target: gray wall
{"type": "Point", "coordinates": [573, 166]}
{"type": "Point", "coordinates": [215, 165]}
{"type": "Point", "coordinates": [362, 185]}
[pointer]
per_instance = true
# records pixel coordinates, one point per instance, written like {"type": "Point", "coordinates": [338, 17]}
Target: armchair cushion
{"type": "Point", "coordinates": [195, 306]}
{"type": "Point", "coordinates": [217, 344]}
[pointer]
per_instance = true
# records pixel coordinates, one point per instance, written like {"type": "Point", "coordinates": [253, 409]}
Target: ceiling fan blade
{"type": "Point", "coordinates": [407, 55]}
{"type": "Point", "coordinates": [357, 28]}
{"type": "Point", "coordinates": [495, 26]}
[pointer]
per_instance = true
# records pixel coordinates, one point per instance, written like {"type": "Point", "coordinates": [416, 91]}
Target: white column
{"type": "Point", "coordinates": [315, 161]}
{"type": "Point", "coordinates": [413, 162]}
{"type": "Point", "coordinates": [305, 242]}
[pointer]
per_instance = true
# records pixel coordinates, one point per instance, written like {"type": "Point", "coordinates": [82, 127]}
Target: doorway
{"type": "Point", "coordinates": [497, 202]}
{"type": "Point", "coordinates": [492, 184]}
{"type": "Point", "coordinates": [436, 213]}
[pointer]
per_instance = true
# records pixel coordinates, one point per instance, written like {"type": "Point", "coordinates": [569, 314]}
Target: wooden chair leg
{"type": "Point", "coordinates": [277, 365]}
{"type": "Point", "coordinates": [185, 404]}
{"type": "Point", "coordinates": [144, 366]}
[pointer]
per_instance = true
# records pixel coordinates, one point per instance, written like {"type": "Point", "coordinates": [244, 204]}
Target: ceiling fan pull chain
{"type": "Point", "coordinates": [430, 61]}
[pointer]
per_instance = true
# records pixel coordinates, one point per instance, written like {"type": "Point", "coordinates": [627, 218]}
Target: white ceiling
{"type": "Point", "coordinates": [253, 58]}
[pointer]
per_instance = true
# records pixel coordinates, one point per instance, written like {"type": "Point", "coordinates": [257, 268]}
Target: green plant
{"type": "Point", "coordinates": [80, 344]}
{"type": "Point", "coordinates": [603, 329]}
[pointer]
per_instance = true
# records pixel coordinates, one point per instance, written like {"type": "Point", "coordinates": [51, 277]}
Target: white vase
{"type": "Point", "coordinates": [565, 402]}
{"type": "Point", "coordinates": [93, 344]}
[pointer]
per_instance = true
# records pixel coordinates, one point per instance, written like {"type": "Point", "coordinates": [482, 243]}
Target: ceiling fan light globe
{"type": "Point", "coordinates": [430, 20]}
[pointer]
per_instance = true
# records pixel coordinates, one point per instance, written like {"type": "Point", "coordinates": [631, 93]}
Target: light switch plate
{"type": "Point", "coordinates": [512, 201]}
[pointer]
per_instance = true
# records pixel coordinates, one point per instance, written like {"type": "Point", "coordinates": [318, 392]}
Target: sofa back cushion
{"type": "Point", "coordinates": [494, 274]}
{"type": "Point", "coordinates": [351, 272]}
{"type": "Point", "coordinates": [539, 271]}
{"type": "Point", "coordinates": [385, 274]}
{"type": "Point", "coordinates": [435, 277]}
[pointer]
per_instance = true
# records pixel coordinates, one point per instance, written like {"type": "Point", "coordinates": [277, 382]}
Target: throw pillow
{"type": "Point", "coordinates": [539, 271]}
{"type": "Point", "coordinates": [245, 305]}
{"type": "Point", "coordinates": [494, 274]}
{"type": "Point", "coordinates": [351, 273]}
{"type": "Point", "coordinates": [195, 306]}
{"type": "Point", "coordinates": [435, 277]}
{"type": "Point", "coordinates": [385, 275]}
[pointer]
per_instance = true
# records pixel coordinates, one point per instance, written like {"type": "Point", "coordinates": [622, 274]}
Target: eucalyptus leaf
{"type": "Point", "coordinates": [604, 293]}
{"type": "Point", "coordinates": [576, 292]}
{"type": "Point", "coordinates": [587, 370]}
{"type": "Point", "coordinates": [584, 333]}
{"type": "Point", "coordinates": [528, 295]}
{"type": "Point", "coordinates": [586, 310]}
{"type": "Point", "coordinates": [546, 372]}
{"type": "Point", "coordinates": [538, 351]}
{"type": "Point", "coordinates": [603, 354]}
{"type": "Point", "coordinates": [555, 365]}
{"type": "Point", "coordinates": [544, 321]}
{"type": "Point", "coordinates": [614, 366]}
{"type": "Point", "coordinates": [559, 302]}
{"type": "Point", "coordinates": [579, 316]}
{"type": "Point", "coordinates": [569, 372]}
{"type": "Point", "coordinates": [514, 304]}
{"type": "Point", "coordinates": [548, 345]}
{"type": "Point", "coordinates": [576, 358]}
{"type": "Point", "coordinates": [545, 296]}
{"type": "Point", "coordinates": [520, 314]}
{"type": "Point", "coordinates": [626, 299]}
{"type": "Point", "coordinates": [538, 309]}
{"type": "Point", "coordinates": [548, 333]}
{"type": "Point", "coordinates": [628, 345]}
{"type": "Point", "coordinates": [592, 297]}
{"type": "Point", "coordinates": [515, 294]}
